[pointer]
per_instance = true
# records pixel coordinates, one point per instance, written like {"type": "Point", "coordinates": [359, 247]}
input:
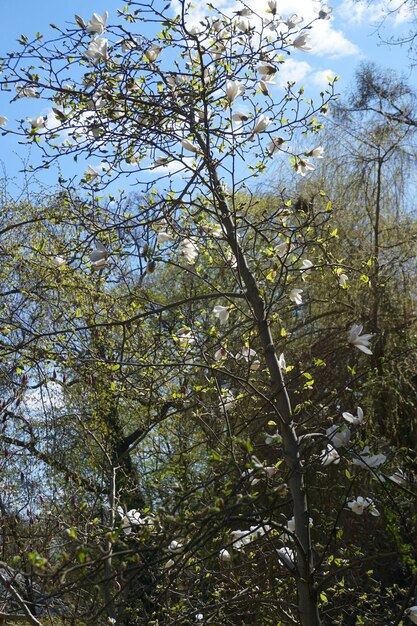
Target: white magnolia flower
{"type": "Point", "coordinates": [58, 261]}
{"type": "Point", "coordinates": [411, 612]}
{"type": "Point", "coordinates": [357, 419]}
{"type": "Point", "coordinates": [222, 313]}
{"type": "Point", "coordinates": [339, 435]}
{"type": "Point", "coordinates": [359, 505]}
{"type": "Point", "coordinates": [3, 120]}
{"type": "Point", "coordinates": [234, 88]}
{"type": "Point", "coordinates": [261, 124]}
{"type": "Point", "coordinates": [246, 353]}
{"type": "Point", "coordinates": [303, 166]}
{"type": "Point", "coordinates": [240, 538]}
{"type": "Point", "coordinates": [272, 6]}
{"type": "Point", "coordinates": [287, 556]}
{"type": "Point", "coordinates": [187, 145]}
{"type": "Point", "coordinates": [301, 42]}
{"type": "Point", "coordinates": [97, 50]}
{"type": "Point", "coordinates": [243, 24]}
{"type": "Point", "coordinates": [275, 144]}
{"type": "Point", "coordinates": [128, 44]}
{"type": "Point", "coordinates": [162, 237]}
{"type": "Point", "coordinates": [246, 12]}
{"type": "Point", "coordinates": [368, 460]}
{"type": "Point", "coordinates": [170, 563]}
{"type": "Point", "coordinates": [227, 401]}
{"type": "Point", "coordinates": [199, 617]}
{"type": "Point", "coordinates": [153, 52]}
{"type": "Point", "coordinates": [293, 21]}
{"type": "Point", "coordinates": [90, 173]}
{"type": "Point", "coordinates": [316, 153]}
{"type": "Point", "coordinates": [185, 336]}
{"type": "Point", "coordinates": [133, 518]}
{"type": "Point", "coordinates": [240, 117]}
{"type": "Point", "coordinates": [220, 354]}
{"type": "Point", "coordinates": [343, 279]}
{"type": "Point", "coordinates": [306, 266]}
{"type": "Point", "coordinates": [255, 365]}
{"type": "Point", "coordinates": [97, 24]}
{"type": "Point", "coordinates": [26, 92]}
{"type": "Point", "coordinates": [225, 556]}
{"type": "Point", "coordinates": [189, 250]}
{"type": "Point", "coordinates": [263, 87]}
{"type": "Point", "coordinates": [295, 296]}
{"type": "Point", "coordinates": [324, 12]}
{"type": "Point", "coordinates": [330, 456]}
{"type": "Point", "coordinates": [291, 524]}
{"type": "Point", "coordinates": [267, 71]}
{"type": "Point", "coordinates": [175, 546]}
{"type": "Point", "coordinates": [359, 341]}
{"type": "Point", "coordinates": [398, 477]}
{"type": "Point", "coordinates": [99, 256]}
{"type": "Point", "coordinates": [281, 361]}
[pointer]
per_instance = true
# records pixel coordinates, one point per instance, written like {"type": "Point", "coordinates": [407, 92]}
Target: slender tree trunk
{"type": "Point", "coordinates": [307, 596]}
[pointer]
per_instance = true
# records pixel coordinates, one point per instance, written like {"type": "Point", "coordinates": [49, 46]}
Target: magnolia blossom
{"type": "Point", "coordinates": [330, 456]}
{"type": "Point", "coordinates": [272, 6]}
{"type": "Point", "coordinates": [301, 42]}
{"type": "Point", "coordinates": [316, 153]}
{"type": "Point", "coordinates": [359, 341]}
{"type": "Point", "coordinates": [281, 362]}
{"type": "Point", "coordinates": [324, 12]}
{"type": "Point", "coordinates": [187, 145]}
{"type": "Point", "coordinates": [357, 419]}
{"type": "Point", "coordinates": [246, 12]}
{"type": "Point", "coordinates": [411, 612]}
{"type": "Point", "coordinates": [170, 563]}
{"type": "Point", "coordinates": [306, 266]}
{"type": "Point", "coordinates": [261, 124]}
{"type": "Point", "coordinates": [240, 117]}
{"type": "Point", "coordinates": [90, 173]}
{"type": "Point", "coordinates": [303, 166]}
{"type": "Point", "coordinates": [267, 71]}
{"type": "Point", "coordinates": [287, 556]}
{"type": "Point", "coordinates": [99, 256]}
{"type": "Point", "coordinates": [243, 24]}
{"type": "Point", "coordinates": [162, 237]}
{"type": "Point", "coordinates": [133, 518]}
{"type": "Point", "coordinates": [339, 435]}
{"type": "Point", "coordinates": [234, 88]}
{"type": "Point", "coordinates": [359, 505]}
{"type": "Point", "coordinates": [175, 546]}
{"type": "Point", "coordinates": [58, 261]}
{"type": "Point", "coordinates": [26, 92]}
{"type": "Point", "coordinates": [398, 477]}
{"type": "Point", "coordinates": [220, 354]}
{"type": "Point", "coordinates": [368, 460]}
{"type": "Point", "coordinates": [161, 161]}
{"type": "Point", "coordinates": [97, 50]}
{"type": "Point", "coordinates": [246, 353]}
{"type": "Point", "coordinates": [199, 617]}
{"type": "Point", "coordinates": [189, 250]}
{"type": "Point", "coordinates": [225, 556]}
{"type": "Point", "coordinates": [295, 296]}
{"type": "Point", "coordinates": [343, 279]}
{"type": "Point", "coordinates": [186, 336]}
{"type": "Point", "coordinates": [222, 313]}
{"type": "Point", "coordinates": [97, 24]}
{"type": "Point", "coordinates": [153, 52]}
{"type": "Point", "coordinates": [293, 21]}
{"type": "Point", "coordinates": [263, 87]}
{"type": "Point", "coordinates": [3, 120]}
{"type": "Point", "coordinates": [275, 144]}
{"type": "Point", "coordinates": [227, 401]}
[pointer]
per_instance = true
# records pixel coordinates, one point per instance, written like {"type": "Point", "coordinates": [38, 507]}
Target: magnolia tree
{"type": "Point", "coordinates": [186, 468]}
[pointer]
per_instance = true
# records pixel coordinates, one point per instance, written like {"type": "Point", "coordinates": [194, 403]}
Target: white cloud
{"type": "Point", "coordinates": [358, 12]}
{"type": "Point", "coordinates": [326, 41]}
{"type": "Point", "coordinates": [320, 78]}
{"type": "Point", "coordinates": [293, 71]}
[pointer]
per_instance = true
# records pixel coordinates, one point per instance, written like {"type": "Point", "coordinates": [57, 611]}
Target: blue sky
{"type": "Point", "coordinates": [339, 45]}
